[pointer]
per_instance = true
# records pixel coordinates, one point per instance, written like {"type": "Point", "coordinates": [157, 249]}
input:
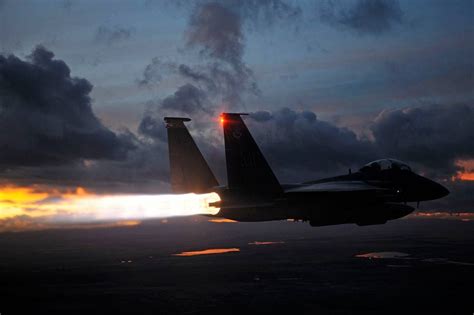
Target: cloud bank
{"type": "Point", "coordinates": [46, 115]}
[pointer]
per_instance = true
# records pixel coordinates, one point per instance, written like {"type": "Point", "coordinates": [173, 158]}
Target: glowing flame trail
{"type": "Point", "coordinates": [24, 208]}
{"type": "Point", "coordinates": [134, 207]}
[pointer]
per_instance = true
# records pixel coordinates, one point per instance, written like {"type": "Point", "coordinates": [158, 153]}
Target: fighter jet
{"type": "Point", "coordinates": [378, 192]}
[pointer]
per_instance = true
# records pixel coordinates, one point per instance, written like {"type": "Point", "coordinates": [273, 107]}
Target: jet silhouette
{"type": "Point", "coordinates": [378, 192]}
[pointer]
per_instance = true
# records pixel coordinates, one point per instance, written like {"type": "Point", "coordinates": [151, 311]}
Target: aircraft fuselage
{"type": "Point", "coordinates": [378, 192]}
{"type": "Point", "coordinates": [363, 207]}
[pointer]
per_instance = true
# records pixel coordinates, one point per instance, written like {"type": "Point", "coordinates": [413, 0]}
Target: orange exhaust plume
{"type": "Point", "coordinates": [24, 208]}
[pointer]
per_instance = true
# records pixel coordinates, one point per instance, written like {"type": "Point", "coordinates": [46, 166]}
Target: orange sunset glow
{"type": "Point", "coordinates": [443, 215]}
{"type": "Point", "coordinates": [467, 172]}
{"type": "Point", "coordinates": [211, 251]}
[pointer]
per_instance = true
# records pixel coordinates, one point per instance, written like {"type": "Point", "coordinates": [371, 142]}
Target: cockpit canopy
{"type": "Point", "coordinates": [385, 164]}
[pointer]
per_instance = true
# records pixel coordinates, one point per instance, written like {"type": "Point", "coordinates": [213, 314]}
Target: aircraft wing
{"type": "Point", "coordinates": [335, 186]}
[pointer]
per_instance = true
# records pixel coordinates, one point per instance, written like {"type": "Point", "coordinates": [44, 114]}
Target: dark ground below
{"type": "Point", "coordinates": [131, 270]}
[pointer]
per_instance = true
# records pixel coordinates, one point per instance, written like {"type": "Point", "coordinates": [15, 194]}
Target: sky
{"type": "Point", "coordinates": [329, 85]}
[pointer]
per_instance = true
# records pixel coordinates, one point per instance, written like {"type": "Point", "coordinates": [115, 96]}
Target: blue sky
{"type": "Point", "coordinates": [301, 62]}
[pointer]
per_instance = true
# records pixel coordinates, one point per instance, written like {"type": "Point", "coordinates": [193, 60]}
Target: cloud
{"type": "Point", "coordinates": [187, 99]}
{"type": "Point", "coordinates": [220, 80]}
{"type": "Point", "coordinates": [112, 35]}
{"type": "Point", "coordinates": [46, 115]}
{"type": "Point", "coordinates": [152, 127]}
{"type": "Point", "coordinates": [297, 143]}
{"type": "Point", "coordinates": [434, 136]}
{"type": "Point", "coordinates": [154, 71]}
{"type": "Point", "coordinates": [143, 170]}
{"type": "Point", "coordinates": [257, 14]}
{"type": "Point", "coordinates": [261, 116]}
{"type": "Point", "coordinates": [217, 32]}
{"type": "Point", "coordinates": [365, 16]}
{"type": "Point", "coordinates": [50, 135]}
{"type": "Point", "coordinates": [196, 75]}
{"type": "Point", "coordinates": [221, 84]}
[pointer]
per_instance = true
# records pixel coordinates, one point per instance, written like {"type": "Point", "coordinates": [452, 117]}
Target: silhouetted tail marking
{"type": "Point", "coordinates": [247, 169]}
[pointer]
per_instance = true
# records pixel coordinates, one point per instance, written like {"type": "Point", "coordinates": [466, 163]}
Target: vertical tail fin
{"type": "Point", "coordinates": [247, 169]}
{"type": "Point", "coordinates": [189, 170]}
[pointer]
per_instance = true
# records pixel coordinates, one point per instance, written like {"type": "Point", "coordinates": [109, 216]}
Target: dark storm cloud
{"type": "Point", "coordinates": [145, 170]}
{"type": "Point", "coordinates": [152, 127]}
{"type": "Point", "coordinates": [113, 34]}
{"type": "Point", "coordinates": [187, 99]}
{"type": "Point", "coordinates": [261, 116]}
{"type": "Point", "coordinates": [46, 115]}
{"type": "Point", "coordinates": [299, 144]}
{"type": "Point", "coordinates": [434, 136]}
{"type": "Point", "coordinates": [365, 16]}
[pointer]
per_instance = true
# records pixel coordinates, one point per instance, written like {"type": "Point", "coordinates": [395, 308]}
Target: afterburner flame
{"type": "Point", "coordinates": [24, 208]}
{"type": "Point", "coordinates": [134, 207]}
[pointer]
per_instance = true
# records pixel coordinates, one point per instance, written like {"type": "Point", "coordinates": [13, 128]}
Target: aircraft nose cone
{"type": "Point", "coordinates": [423, 189]}
{"type": "Point", "coordinates": [436, 191]}
{"type": "Point", "coordinates": [441, 191]}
